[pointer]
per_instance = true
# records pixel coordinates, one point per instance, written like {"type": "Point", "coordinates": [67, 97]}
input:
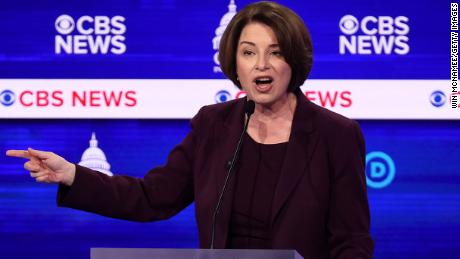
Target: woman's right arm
{"type": "Point", "coordinates": [162, 193]}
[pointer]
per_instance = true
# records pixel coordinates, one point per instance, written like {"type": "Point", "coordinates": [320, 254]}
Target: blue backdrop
{"type": "Point", "coordinates": [173, 39]}
{"type": "Point", "coordinates": [415, 216]}
{"type": "Point", "coordinates": [413, 166]}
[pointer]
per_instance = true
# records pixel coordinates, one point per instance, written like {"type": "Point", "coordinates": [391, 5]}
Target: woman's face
{"type": "Point", "coordinates": [262, 71]}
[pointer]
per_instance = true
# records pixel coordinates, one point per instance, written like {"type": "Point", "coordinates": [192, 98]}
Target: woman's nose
{"type": "Point", "coordinates": [262, 63]}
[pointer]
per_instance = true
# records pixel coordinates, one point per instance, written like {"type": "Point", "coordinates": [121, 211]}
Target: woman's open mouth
{"type": "Point", "coordinates": [263, 84]}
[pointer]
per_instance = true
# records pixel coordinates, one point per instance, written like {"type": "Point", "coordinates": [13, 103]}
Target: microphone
{"type": "Point", "coordinates": [249, 110]}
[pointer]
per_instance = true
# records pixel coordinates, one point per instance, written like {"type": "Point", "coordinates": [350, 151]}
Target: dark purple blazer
{"type": "Point", "coordinates": [320, 205]}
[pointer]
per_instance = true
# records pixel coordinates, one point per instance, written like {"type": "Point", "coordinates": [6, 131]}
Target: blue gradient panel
{"type": "Point", "coordinates": [29, 217]}
{"type": "Point", "coordinates": [415, 213]}
{"type": "Point", "coordinates": [173, 39]}
{"type": "Point", "coordinates": [416, 216]}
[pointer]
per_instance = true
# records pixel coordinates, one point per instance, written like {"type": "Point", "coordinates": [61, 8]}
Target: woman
{"type": "Point", "coordinates": [299, 183]}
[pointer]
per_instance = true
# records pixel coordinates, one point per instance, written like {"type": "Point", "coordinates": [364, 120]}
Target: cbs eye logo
{"type": "Point", "coordinates": [222, 96]}
{"type": "Point", "coordinates": [64, 24]}
{"type": "Point", "coordinates": [438, 98]}
{"type": "Point", "coordinates": [349, 24]}
{"type": "Point", "coordinates": [7, 97]}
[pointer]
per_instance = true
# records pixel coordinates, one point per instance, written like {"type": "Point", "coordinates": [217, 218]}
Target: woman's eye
{"type": "Point", "coordinates": [247, 52]}
{"type": "Point", "coordinates": [277, 53]}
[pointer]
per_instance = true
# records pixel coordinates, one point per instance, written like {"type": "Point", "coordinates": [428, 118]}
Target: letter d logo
{"type": "Point", "coordinates": [380, 170]}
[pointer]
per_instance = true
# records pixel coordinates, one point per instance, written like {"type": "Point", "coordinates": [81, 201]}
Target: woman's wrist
{"type": "Point", "coordinates": [70, 175]}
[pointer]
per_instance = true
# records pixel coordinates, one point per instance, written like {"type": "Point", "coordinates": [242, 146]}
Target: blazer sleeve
{"type": "Point", "coordinates": [349, 217]}
{"type": "Point", "coordinates": [161, 193]}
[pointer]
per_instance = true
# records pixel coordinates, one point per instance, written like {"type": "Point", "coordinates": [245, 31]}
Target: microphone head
{"type": "Point", "coordinates": [249, 107]}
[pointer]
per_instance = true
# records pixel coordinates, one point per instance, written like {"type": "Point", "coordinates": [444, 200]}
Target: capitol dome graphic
{"type": "Point", "coordinates": [224, 21]}
{"type": "Point", "coordinates": [94, 157]}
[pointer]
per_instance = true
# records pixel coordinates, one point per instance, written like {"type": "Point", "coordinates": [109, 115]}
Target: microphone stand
{"type": "Point", "coordinates": [249, 110]}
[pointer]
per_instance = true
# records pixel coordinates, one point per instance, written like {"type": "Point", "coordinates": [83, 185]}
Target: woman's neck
{"type": "Point", "coordinates": [272, 124]}
{"type": "Point", "coordinates": [282, 109]}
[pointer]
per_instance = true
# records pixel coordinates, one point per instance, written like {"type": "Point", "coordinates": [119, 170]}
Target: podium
{"type": "Point", "coordinates": [152, 253]}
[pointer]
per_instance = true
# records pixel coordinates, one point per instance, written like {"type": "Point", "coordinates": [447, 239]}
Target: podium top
{"type": "Point", "coordinates": [151, 253]}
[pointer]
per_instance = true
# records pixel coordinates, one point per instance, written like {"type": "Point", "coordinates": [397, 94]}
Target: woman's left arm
{"type": "Point", "coordinates": [349, 217]}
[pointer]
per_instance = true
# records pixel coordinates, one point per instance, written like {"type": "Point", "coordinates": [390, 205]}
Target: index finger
{"type": "Point", "coordinates": [18, 153]}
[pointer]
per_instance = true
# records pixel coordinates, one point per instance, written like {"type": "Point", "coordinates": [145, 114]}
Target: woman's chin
{"type": "Point", "coordinates": [268, 100]}
{"type": "Point", "coordinates": [265, 100]}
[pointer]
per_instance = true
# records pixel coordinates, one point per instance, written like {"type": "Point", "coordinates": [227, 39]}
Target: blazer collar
{"type": "Point", "coordinates": [299, 151]}
{"type": "Point", "coordinates": [302, 121]}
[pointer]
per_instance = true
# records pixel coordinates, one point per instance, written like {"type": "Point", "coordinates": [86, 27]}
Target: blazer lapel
{"type": "Point", "coordinates": [229, 132]}
{"type": "Point", "coordinates": [299, 150]}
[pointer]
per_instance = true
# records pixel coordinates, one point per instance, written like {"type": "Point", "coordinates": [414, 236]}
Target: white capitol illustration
{"type": "Point", "coordinates": [94, 158]}
{"type": "Point", "coordinates": [224, 21]}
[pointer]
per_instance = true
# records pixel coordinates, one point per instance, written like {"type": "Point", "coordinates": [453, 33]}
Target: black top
{"type": "Point", "coordinates": [256, 178]}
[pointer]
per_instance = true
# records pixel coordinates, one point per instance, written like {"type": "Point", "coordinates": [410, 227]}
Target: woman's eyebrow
{"type": "Point", "coordinates": [275, 45]}
{"type": "Point", "coordinates": [247, 42]}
